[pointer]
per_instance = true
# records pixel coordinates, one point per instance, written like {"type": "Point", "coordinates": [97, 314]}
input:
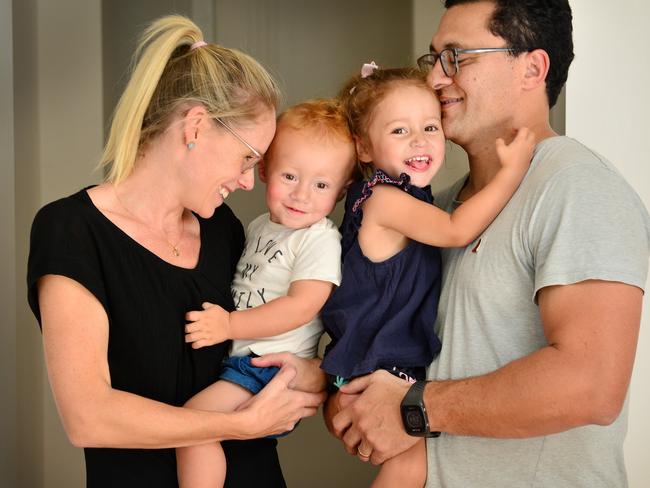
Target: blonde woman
{"type": "Point", "coordinates": [114, 268]}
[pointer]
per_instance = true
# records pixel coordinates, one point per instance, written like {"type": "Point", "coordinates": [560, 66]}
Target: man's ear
{"type": "Point", "coordinates": [193, 119]}
{"type": "Point", "coordinates": [537, 64]}
{"type": "Point", "coordinates": [261, 170]}
{"type": "Point", "coordinates": [363, 151]}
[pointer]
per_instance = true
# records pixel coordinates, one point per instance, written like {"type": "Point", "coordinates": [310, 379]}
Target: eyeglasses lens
{"type": "Point", "coordinates": [448, 61]}
{"type": "Point", "coordinates": [426, 62]}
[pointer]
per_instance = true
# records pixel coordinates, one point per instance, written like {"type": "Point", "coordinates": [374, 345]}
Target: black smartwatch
{"type": "Point", "coordinates": [414, 413]}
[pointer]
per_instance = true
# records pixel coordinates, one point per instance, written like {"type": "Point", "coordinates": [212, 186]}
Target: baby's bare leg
{"type": "Point", "coordinates": [205, 465]}
{"type": "Point", "coordinates": [407, 470]}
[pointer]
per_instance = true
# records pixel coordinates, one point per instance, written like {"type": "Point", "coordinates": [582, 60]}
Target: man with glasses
{"type": "Point", "coordinates": [539, 317]}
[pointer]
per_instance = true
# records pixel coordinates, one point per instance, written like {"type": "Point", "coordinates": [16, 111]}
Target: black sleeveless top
{"type": "Point", "coordinates": [146, 299]}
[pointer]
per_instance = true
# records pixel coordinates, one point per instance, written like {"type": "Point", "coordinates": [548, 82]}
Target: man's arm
{"type": "Point", "coordinates": [580, 378]}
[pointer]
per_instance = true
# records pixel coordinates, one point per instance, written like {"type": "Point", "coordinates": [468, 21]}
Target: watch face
{"type": "Point", "coordinates": [414, 420]}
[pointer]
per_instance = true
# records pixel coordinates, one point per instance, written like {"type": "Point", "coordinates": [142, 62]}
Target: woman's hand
{"type": "Point", "coordinates": [278, 407]}
{"type": "Point", "coordinates": [309, 377]}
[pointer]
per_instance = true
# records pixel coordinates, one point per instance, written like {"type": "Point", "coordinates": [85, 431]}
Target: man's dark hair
{"type": "Point", "coordinates": [535, 24]}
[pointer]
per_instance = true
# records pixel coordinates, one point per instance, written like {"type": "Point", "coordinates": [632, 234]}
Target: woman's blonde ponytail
{"type": "Point", "coordinates": [168, 74]}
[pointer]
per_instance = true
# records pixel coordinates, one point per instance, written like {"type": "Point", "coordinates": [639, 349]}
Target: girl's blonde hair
{"type": "Point", "coordinates": [361, 95]}
{"type": "Point", "coordinates": [168, 74]}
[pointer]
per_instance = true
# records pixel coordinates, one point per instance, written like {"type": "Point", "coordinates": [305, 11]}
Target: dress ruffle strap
{"type": "Point", "coordinates": [380, 177]}
{"type": "Point", "coordinates": [360, 191]}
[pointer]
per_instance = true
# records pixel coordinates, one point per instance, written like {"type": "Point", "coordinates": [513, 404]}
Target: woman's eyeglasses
{"type": "Point", "coordinates": [257, 156]}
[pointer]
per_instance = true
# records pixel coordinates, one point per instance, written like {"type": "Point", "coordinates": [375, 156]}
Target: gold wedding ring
{"type": "Point", "coordinates": [361, 453]}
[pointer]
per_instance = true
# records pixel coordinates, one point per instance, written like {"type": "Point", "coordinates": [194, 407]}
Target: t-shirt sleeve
{"type": "Point", "coordinates": [318, 256]}
{"type": "Point", "coordinates": [589, 224]}
{"type": "Point", "coordinates": [444, 199]}
{"type": "Point", "coordinates": [61, 243]}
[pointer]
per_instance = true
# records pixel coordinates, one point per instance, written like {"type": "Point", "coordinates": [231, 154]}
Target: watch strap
{"type": "Point", "coordinates": [415, 398]}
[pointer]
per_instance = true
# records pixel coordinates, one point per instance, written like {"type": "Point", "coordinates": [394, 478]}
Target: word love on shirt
{"type": "Point", "coordinates": [262, 255]}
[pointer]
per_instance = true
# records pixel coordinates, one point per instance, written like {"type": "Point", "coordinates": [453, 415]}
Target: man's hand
{"type": "Point", "coordinates": [374, 418]}
{"type": "Point", "coordinates": [208, 327]}
{"type": "Point", "coordinates": [334, 404]}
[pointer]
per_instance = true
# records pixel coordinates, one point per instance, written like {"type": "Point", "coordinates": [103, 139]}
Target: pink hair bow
{"type": "Point", "coordinates": [368, 68]}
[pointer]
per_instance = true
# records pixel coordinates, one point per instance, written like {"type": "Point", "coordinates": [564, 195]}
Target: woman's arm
{"type": "Point", "coordinates": [430, 225]}
{"type": "Point", "coordinates": [300, 305]}
{"type": "Point", "coordinates": [75, 335]}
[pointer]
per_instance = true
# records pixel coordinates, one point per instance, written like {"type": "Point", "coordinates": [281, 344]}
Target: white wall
{"type": "Point", "coordinates": [70, 143]}
{"type": "Point", "coordinates": [607, 106]}
{"type": "Point", "coordinates": [58, 131]}
{"type": "Point", "coordinates": [7, 253]}
{"type": "Point", "coordinates": [29, 374]}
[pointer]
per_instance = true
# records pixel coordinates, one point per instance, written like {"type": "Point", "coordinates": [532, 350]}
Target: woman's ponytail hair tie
{"type": "Point", "coordinates": [197, 45]}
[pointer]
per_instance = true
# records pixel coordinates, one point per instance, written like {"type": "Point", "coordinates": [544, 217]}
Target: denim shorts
{"type": "Point", "coordinates": [239, 370]}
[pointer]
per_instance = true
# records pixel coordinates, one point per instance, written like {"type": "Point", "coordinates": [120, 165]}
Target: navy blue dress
{"type": "Point", "coordinates": [383, 313]}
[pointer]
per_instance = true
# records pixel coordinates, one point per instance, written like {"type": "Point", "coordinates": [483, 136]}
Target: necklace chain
{"type": "Point", "coordinates": [175, 250]}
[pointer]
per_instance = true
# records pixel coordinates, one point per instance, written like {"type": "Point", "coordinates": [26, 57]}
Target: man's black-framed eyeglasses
{"type": "Point", "coordinates": [449, 57]}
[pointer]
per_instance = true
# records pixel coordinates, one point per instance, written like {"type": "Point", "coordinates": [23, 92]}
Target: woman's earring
{"type": "Point", "coordinates": [190, 145]}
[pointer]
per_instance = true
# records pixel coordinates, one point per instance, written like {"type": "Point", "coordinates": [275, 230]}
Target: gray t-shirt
{"type": "Point", "coordinates": [573, 218]}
